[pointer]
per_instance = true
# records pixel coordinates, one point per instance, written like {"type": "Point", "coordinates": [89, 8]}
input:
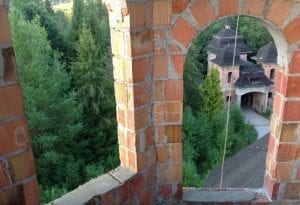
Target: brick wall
{"type": "Point", "coordinates": [18, 182]}
{"type": "Point", "coordinates": [149, 42]}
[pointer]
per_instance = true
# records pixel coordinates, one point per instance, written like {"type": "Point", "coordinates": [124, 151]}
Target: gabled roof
{"type": "Point", "coordinates": [266, 54]}
{"type": "Point", "coordinates": [224, 57]}
{"type": "Point", "coordinates": [251, 75]}
{"type": "Point", "coordinates": [226, 37]}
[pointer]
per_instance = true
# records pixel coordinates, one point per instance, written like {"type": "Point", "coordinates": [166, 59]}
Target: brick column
{"type": "Point", "coordinates": [18, 182]}
{"type": "Point", "coordinates": [283, 169]}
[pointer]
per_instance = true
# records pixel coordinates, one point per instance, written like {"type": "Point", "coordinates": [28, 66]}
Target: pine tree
{"type": "Point", "coordinates": [212, 96]}
{"type": "Point", "coordinates": [77, 18]}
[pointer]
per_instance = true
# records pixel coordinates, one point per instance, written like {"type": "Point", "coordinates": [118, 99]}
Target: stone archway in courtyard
{"type": "Point", "coordinates": [149, 42]}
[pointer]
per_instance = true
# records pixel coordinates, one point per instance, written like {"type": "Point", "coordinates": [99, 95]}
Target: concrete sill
{"type": "Point", "coordinates": [96, 187]}
{"type": "Point", "coordinates": [193, 196]}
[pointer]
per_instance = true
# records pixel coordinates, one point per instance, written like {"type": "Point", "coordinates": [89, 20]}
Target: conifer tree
{"type": "Point", "coordinates": [77, 18]}
{"type": "Point", "coordinates": [211, 94]}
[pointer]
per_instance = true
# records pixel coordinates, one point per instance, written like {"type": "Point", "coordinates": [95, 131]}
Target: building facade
{"type": "Point", "coordinates": [242, 81]}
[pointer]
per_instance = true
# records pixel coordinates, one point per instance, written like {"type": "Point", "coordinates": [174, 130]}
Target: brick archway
{"type": "Point", "coordinates": [149, 42]}
{"type": "Point", "coordinates": [153, 38]}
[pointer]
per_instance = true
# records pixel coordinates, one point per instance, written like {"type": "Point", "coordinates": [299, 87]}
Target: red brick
{"type": "Point", "coordinates": [281, 171]}
{"type": "Point", "coordinates": [228, 7]}
{"type": "Point", "coordinates": [179, 192]}
{"type": "Point", "coordinates": [292, 191]}
{"type": "Point", "coordinates": [165, 190]}
{"type": "Point", "coordinates": [159, 90]}
{"type": "Point", "coordinates": [179, 5]}
{"type": "Point", "coordinates": [160, 66]}
{"type": "Point", "coordinates": [281, 82]}
{"type": "Point", "coordinates": [272, 147]}
{"type": "Point", "coordinates": [158, 113]}
{"type": "Point", "coordinates": [142, 43]}
{"type": "Point", "coordinates": [138, 95]}
{"type": "Point", "coordinates": [5, 36]}
{"type": "Point", "coordinates": [123, 156]}
{"type": "Point", "coordinates": [137, 15]}
{"type": "Point", "coordinates": [178, 62]}
{"type": "Point", "coordinates": [173, 48]}
{"type": "Point", "coordinates": [13, 136]}
{"type": "Point", "coordinates": [294, 66]}
{"type": "Point", "coordinates": [288, 132]}
{"type": "Point", "coordinates": [254, 7]}
{"type": "Point", "coordinates": [147, 197]}
{"type": "Point", "coordinates": [150, 137]}
{"type": "Point", "coordinates": [163, 154]}
{"type": "Point", "coordinates": [170, 173]}
{"type": "Point", "coordinates": [109, 198]}
{"type": "Point", "coordinates": [139, 70]}
{"type": "Point", "coordinates": [120, 93]}
{"type": "Point", "coordinates": [22, 166]}
{"type": "Point", "coordinates": [286, 152]}
{"type": "Point", "coordinates": [176, 153]}
{"type": "Point", "coordinates": [292, 31]}
{"type": "Point", "coordinates": [203, 12]}
{"type": "Point", "coordinates": [31, 193]}
{"type": "Point", "coordinates": [183, 32]}
{"type": "Point", "coordinates": [137, 119]}
{"type": "Point", "coordinates": [293, 87]}
{"type": "Point", "coordinates": [151, 175]}
{"type": "Point", "coordinates": [271, 186]}
{"type": "Point", "coordinates": [174, 133]}
{"type": "Point", "coordinates": [3, 175]}
{"type": "Point", "coordinates": [162, 12]}
{"type": "Point", "coordinates": [277, 104]}
{"type": "Point", "coordinates": [13, 196]}
{"type": "Point", "coordinates": [11, 102]}
{"type": "Point", "coordinates": [138, 183]}
{"type": "Point", "coordinates": [279, 11]}
{"type": "Point", "coordinates": [125, 192]}
{"type": "Point", "coordinates": [159, 37]}
{"type": "Point", "coordinates": [173, 112]}
{"type": "Point", "coordinates": [291, 111]}
{"type": "Point", "coordinates": [173, 90]}
{"type": "Point", "coordinates": [160, 133]}
{"type": "Point", "coordinates": [132, 160]}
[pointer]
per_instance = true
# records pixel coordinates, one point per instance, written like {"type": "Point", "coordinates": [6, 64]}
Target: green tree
{"type": "Point", "coordinates": [77, 18]}
{"type": "Point", "coordinates": [212, 96]}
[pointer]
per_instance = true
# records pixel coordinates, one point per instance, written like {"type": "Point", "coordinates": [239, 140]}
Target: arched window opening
{"type": "Point", "coordinates": [229, 76]}
{"type": "Point", "coordinates": [272, 73]}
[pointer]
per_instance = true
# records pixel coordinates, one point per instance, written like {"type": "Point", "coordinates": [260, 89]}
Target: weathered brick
{"type": "Point", "coordinates": [173, 48]}
{"type": "Point", "coordinates": [291, 110]}
{"type": "Point", "coordinates": [146, 159]}
{"type": "Point", "coordinates": [22, 166]}
{"type": "Point", "coordinates": [173, 90]}
{"type": "Point", "coordinates": [117, 39]}
{"type": "Point", "coordinates": [271, 186]}
{"type": "Point", "coordinates": [281, 171]}
{"type": "Point", "coordinates": [158, 113]}
{"type": "Point", "coordinates": [132, 160]}
{"type": "Point", "coordinates": [151, 175]}
{"type": "Point", "coordinates": [288, 132]}
{"type": "Point", "coordinates": [138, 183]}
{"type": "Point", "coordinates": [294, 66]}
{"type": "Point", "coordinates": [137, 119]}
{"type": "Point", "coordinates": [139, 70]}
{"type": "Point", "coordinates": [163, 154]}
{"type": "Point", "coordinates": [228, 7]}
{"type": "Point", "coordinates": [179, 5]}
{"type": "Point", "coordinates": [138, 95]}
{"type": "Point", "coordinates": [292, 31]}
{"type": "Point", "coordinates": [3, 175]}
{"type": "Point", "coordinates": [277, 7]}
{"type": "Point", "coordinates": [13, 196]}
{"type": "Point", "coordinates": [110, 198]}
{"type": "Point", "coordinates": [178, 62]}
{"type": "Point", "coordinates": [254, 7]}
{"type": "Point", "coordinates": [149, 135]}
{"type": "Point", "coordinates": [31, 192]}
{"type": "Point", "coordinates": [176, 153]}
{"type": "Point", "coordinates": [203, 12]}
{"type": "Point", "coordinates": [277, 105]}
{"type": "Point", "coordinates": [137, 15]}
{"type": "Point", "coordinates": [160, 40]}
{"type": "Point", "coordinates": [281, 82]}
{"type": "Point", "coordinates": [183, 32]}
{"type": "Point", "coordinates": [11, 102]}
{"type": "Point", "coordinates": [173, 112]}
{"type": "Point", "coordinates": [170, 173]}
{"type": "Point", "coordinates": [174, 133]}
{"type": "Point", "coordinates": [13, 136]}
{"type": "Point", "coordinates": [162, 12]}
{"type": "Point", "coordinates": [5, 37]}
{"type": "Point", "coordinates": [147, 197]}
{"type": "Point", "coordinates": [165, 190]}
{"type": "Point", "coordinates": [142, 43]}
{"type": "Point", "coordinates": [292, 191]}
{"type": "Point", "coordinates": [272, 146]}
{"type": "Point", "coordinates": [120, 93]}
{"type": "Point", "coordinates": [160, 135]}
{"type": "Point", "coordinates": [123, 155]}
{"type": "Point", "coordinates": [293, 86]}
{"type": "Point", "coordinates": [286, 152]}
{"type": "Point", "coordinates": [160, 66]}
{"type": "Point", "coordinates": [159, 90]}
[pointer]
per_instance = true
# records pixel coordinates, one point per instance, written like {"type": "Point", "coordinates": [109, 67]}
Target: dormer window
{"type": "Point", "coordinates": [272, 73]}
{"type": "Point", "coordinates": [229, 77]}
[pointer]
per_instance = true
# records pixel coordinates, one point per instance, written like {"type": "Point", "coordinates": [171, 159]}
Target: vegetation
{"type": "Point", "coordinates": [204, 115]}
{"type": "Point", "coordinates": [72, 116]}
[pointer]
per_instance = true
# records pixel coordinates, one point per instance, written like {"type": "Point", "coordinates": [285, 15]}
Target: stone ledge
{"type": "Point", "coordinates": [193, 196]}
{"type": "Point", "coordinates": [96, 187]}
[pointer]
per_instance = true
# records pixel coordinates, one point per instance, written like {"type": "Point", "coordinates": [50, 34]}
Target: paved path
{"type": "Point", "coordinates": [261, 124]}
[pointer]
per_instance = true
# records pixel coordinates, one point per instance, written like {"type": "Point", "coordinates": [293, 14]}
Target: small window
{"type": "Point", "coordinates": [272, 73]}
{"type": "Point", "coordinates": [270, 95]}
{"type": "Point", "coordinates": [229, 77]}
{"type": "Point", "coordinates": [227, 98]}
